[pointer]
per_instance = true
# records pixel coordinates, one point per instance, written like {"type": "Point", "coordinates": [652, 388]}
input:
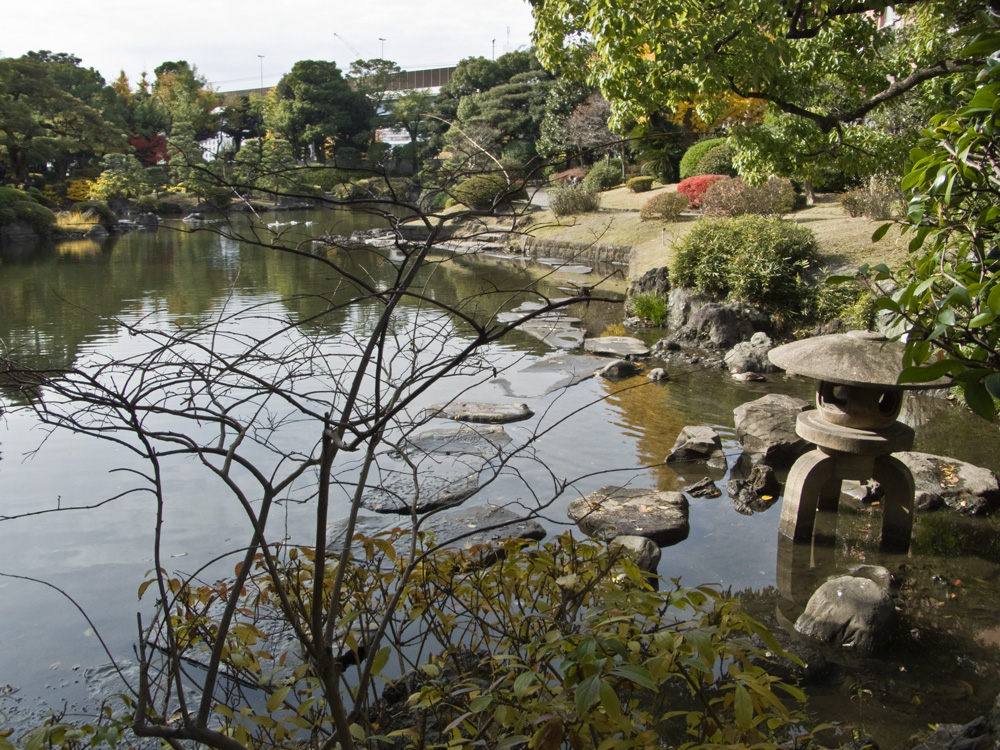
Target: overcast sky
{"type": "Point", "coordinates": [224, 39]}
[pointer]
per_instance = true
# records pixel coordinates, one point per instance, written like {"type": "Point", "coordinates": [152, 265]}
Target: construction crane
{"type": "Point", "coordinates": [350, 46]}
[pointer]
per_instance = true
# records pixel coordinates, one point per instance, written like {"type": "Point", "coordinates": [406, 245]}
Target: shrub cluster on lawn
{"type": "Point", "coordinates": [880, 199]}
{"type": "Point", "coordinates": [751, 259]}
{"type": "Point", "coordinates": [694, 187]}
{"type": "Point", "coordinates": [665, 207]}
{"type": "Point", "coordinates": [576, 199]}
{"type": "Point", "coordinates": [717, 160]}
{"type": "Point", "coordinates": [734, 197]}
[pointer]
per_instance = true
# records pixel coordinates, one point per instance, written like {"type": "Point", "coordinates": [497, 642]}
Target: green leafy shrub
{"type": "Point", "coordinates": [105, 216]}
{"type": "Point", "coordinates": [484, 192]}
{"type": "Point", "coordinates": [665, 207]}
{"type": "Point", "coordinates": [751, 258]}
{"type": "Point", "coordinates": [576, 199]}
{"type": "Point", "coordinates": [651, 307]}
{"type": "Point", "coordinates": [717, 160]}
{"type": "Point", "coordinates": [20, 206]}
{"type": "Point", "coordinates": [640, 184]}
{"type": "Point", "coordinates": [694, 187]}
{"type": "Point", "coordinates": [880, 199]}
{"type": "Point", "coordinates": [603, 176]}
{"type": "Point", "coordinates": [734, 197]}
{"type": "Point", "coordinates": [689, 162]}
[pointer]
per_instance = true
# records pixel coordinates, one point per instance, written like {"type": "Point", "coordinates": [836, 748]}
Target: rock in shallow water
{"type": "Point", "coordinates": [854, 611]}
{"type": "Point", "coordinates": [624, 511]}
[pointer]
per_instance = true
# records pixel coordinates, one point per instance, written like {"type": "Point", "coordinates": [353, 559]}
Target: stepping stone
{"type": "Point", "coordinates": [623, 511]}
{"type": "Point", "coordinates": [470, 411]}
{"type": "Point", "coordinates": [546, 376]}
{"type": "Point", "coordinates": [617, 346]}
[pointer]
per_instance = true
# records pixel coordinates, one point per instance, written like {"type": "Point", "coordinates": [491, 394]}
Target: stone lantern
{"type": "Point", "coordinates": [854, 428]}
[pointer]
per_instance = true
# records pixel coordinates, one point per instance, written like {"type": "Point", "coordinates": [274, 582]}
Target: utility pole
{"type": "Point", "coordinates": [494, 49]}
{"type": "Point", "coordinates": [382, 53]}
{"type": "Point", "coordinates": [261, 74]}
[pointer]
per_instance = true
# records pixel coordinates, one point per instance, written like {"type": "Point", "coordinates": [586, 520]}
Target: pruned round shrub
{"type": "Point", "coordinates": [694, 187]}
{"type": "Point", "coordinates": [640, 184]}
{"type": "Point", "coordinates": [105, 216]}
{"type": "Point", "coordinates": [661, 168]}
{"type": "Point", "coordinates": [691, 158]}
{"type": "Point", "coordinates": [751, 259]}
{"type": "Point", "coordinates": [20, 206]}
{"type": "Point", "coordinates": [717, 160]}
{"type": "Point", "coordinates": [577, 199]}
{"type": "Point", "coordinates": [603, 176]}
{"type": "Point", "coordinates": [734, 197]}
{"type": "Point", "coordinates": [483, 192]}
{"type": "Point", "coordinates": [665, 207]}
{"type": "Point", "coordinates": [880, 199]}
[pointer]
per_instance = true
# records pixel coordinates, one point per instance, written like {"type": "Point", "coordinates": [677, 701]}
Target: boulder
{"type": "Point", "coordinates": [711, 324]}
{"type": "Point", "coordinates": [938, 480]}
{"type": "Point", "coordinates": [697, 443]}
{"type": "Point", "coordinates": [982, 733]}
{"type": "Point", "coordinates": [642, 550]}
{"type": "Point", "coordinates": [96, 232]}
{"type": "Point", "coordinates": [704, 488]}
{"type": "Point", "coordinates": [616, 346]}
{"type": "Point", "coordinates": [147, 219]}
{"type": "Point", "coordinates": [767, 426]}
{"type": "Point", "coordinates": [468, 411]}
{"type": "Point", "coordinates": [618, 369]}
{"type": "Point", "coordinates": [755, 492]}
{"type": "Point", "coordinates": [751, 356]}
{"type": "Point", "coordinates": [657, 374]}
{"type": "Point", "coordinates": [654, 281]}
{"type": "Point", "coordinates": [855, 611]}
{"type": "Point", "coordinates": [624, 511]}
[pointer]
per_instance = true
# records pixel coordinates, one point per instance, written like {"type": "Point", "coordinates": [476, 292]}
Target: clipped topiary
{"type": "Point", "coordinates": [485, 192]}
{"type": "Point", "coordinates": [105, 216]}
{"type": "Point", "coordinates": [689, 162]}
{"type": "Point", "coordinates": [664, 207]}
{"type": "Point", "coordinates": [603, 176]}
{"type": "Point", "coordinates": [640, 184]}
{"type": "Point", "coordinates": [751, 259]}
{"type": "Point", "coordinates": [717, 160]}
{"type": "Point", "coordinates": [18, 206]}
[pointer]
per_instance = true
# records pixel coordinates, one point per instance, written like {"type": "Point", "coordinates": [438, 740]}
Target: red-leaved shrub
{"type": "Point", "coordinates": [694, 187]}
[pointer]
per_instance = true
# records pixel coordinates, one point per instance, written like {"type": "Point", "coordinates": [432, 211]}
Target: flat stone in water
{"type": "Point", "coordinates": [554, 373]}
{"type": "Point", "coordinates": [474, 411]}
{"type": "Point", "coordinates": [402, 492]}
{"type": "Point", "coordinates": [483, 441]}
{"type": "Point", "coordinates": [566, 266]}
{"type": "Point", "coordinates": [617, 346]}
{"type": "Point", "coordinates": [623, 511]}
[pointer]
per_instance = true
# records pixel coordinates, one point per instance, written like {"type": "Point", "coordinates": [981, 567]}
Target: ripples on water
{"type": "Point", "coordinates": [944, 668]}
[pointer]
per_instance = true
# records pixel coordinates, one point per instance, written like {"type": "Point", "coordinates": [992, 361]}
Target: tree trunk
{"type": "Point", "coordinates": [807, 188]}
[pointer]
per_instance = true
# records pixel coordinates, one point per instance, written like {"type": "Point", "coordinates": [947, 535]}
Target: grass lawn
{"type": "Point", "coordinates": [842, 241]}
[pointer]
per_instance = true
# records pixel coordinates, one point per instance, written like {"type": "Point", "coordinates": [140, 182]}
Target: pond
{"type": "Point", "coordinates": [76, 303]}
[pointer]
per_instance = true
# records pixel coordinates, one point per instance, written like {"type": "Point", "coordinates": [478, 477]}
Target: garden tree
{"type": "Point", "coordinates": [825, 69]}
{"type": "Point", "coordinates": [40, 123]}
{"type": "Point", "coordinates": [586, 129]}
{"type": "Point", "coordinates": [189, 169]}
{"type": "Point", "coordinates": [309, 406]}
{"type": "Point", "coordinates": [123, 175]}
{"type": "Point", "coordinates": [265, 164]}
{"type": "Point", "coordinates": [474, 75]}
{"type": "Point", "coordinates": [242, 117]}
{"type": "Point", "coordinates": [946, 297]}
{"type": "Point", "coordinates": [514, 110]}
{"type": "Point", "coordinates": [374, 79]}
{"type": "Point", "coordinates": [412, 112]}
{"type": "Point", "coordinates": [182, 95]}
{"type": "Point", "coordinates": [564, 96]}
{"type": "Point", "coordinates": [315, 109]}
